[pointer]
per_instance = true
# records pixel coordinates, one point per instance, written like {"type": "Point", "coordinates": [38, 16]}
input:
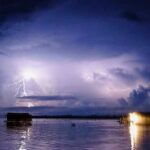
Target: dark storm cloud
{"type": "Point", "coordinates": [139, 5]}
{"type": "Point", "coordinates": [138, 98]}
{"type": "Point", "coordinates": [130, 10]}
{"type": "Point", "coordinates": [86, 30]}
{"type": "Point", "coordinates": [122, 102]}
{"type": "Point", "coordinates": [90, 8]}
{"type": "Point", "coordinates": [135, 10]}
{"type": "Point", "coordinates": [124, 75]}
{"type": "Point", "coordinates": [17, 9]}
{"type": "Point", "coordinates": [90, 22]}
{"type": "Point", "coordinates": [48, 98]}
{"type": "Point", "coordinates": [132, 16]}
{"type": "Point", "coordinates": [144, 73]}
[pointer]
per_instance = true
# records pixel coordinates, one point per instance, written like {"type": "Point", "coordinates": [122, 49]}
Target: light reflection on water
{"type": "Point", "coordinates": [24, 137]}
{"type": "Point", "coordinates": [86, 135]}
{"type": "Point", "coordinates": [134, 134]}
{"type": "Point", "coordinates": [140, 136]}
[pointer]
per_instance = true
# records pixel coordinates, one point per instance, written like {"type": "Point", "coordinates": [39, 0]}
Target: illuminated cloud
{"type": "Point", "coordinates": [79, 48]}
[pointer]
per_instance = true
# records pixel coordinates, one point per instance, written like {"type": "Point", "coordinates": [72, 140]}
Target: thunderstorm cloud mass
{"type": "Point", "coordinates": [75, 54]}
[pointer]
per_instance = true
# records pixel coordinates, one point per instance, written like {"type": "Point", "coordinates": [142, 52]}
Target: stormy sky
{"type": "Point", "coordinates": [74, 53]}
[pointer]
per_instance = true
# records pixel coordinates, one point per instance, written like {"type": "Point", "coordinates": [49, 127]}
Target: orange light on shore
{"type": "Point", "coordinates": [134, 118]}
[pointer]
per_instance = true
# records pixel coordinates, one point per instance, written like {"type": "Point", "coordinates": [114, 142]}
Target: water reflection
{"type": "Point", "coordinates": [24, 138]}
{"type": "Point", "coordinates": [139, 136]}
{"type": "Point", "coordinates": [134, 135]}
{"type": "Point", "coordinates": [91, 135]}
{"type": "Point", "coordinates": [21, 135]}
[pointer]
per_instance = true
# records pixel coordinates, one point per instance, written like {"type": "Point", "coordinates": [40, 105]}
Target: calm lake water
{"type": "Point", "coordinates": [54, 134]}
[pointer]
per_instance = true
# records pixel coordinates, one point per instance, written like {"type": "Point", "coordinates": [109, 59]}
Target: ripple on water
{"type": "Point", "coordinates": [59, 134]}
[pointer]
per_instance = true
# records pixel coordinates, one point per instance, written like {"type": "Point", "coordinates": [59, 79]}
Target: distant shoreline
{"type": "Point", "coordinates": [77, 117]}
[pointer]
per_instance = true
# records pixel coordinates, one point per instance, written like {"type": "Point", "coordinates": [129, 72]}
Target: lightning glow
{"type": "Point", "coordinates": [29, 74]}
{"type": "Point", "coordinates": [30, 104]}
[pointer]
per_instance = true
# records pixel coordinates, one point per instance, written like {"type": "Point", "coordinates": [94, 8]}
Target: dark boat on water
{"type": "Point", "coordinates": [18, 119]}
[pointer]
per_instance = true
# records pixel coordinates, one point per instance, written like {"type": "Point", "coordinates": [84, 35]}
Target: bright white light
{"type": "Point", "coordinates": [30, 104]}
{"type": "Point", "coordinates": [134, 118]}
{"type": "Point", "coordinates": [134, 135]}
{"type": "Point", "coordinates": [29, 74]}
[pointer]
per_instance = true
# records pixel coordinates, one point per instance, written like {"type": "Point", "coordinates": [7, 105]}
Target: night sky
{"type": "Point", "coordinates": [75, 53]}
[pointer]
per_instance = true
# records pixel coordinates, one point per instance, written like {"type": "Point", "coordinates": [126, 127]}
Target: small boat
{"type": "Point", "coordinates": [18, 119]}
{"type": "Point", "coordinates": [73, 124]}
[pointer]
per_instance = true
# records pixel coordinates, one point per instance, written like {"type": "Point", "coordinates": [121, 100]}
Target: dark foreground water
{"type": "Point", "coordinates": [86, 135]}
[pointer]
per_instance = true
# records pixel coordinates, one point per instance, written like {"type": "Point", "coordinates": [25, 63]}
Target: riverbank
{"type": "Point", "coordinates": [77, 117]}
